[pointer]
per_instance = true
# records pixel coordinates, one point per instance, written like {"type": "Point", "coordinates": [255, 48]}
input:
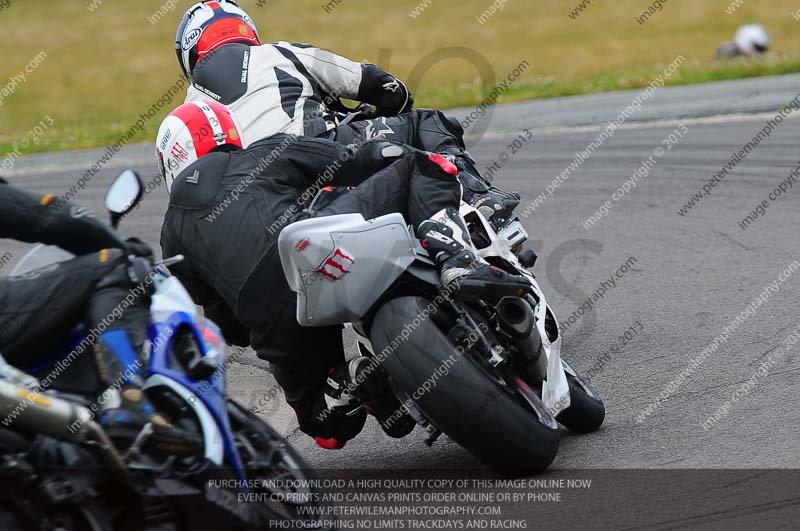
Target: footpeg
{"type": "Point", "coordinates": [135, 449]}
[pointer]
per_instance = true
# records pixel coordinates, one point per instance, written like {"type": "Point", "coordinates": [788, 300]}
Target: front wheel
{"type": "Point", "coordinates": [457, 396]}
{"type": "Point", "coordinates": [291, 494]}
{"type": "Point", "coordinates": [586, 411]}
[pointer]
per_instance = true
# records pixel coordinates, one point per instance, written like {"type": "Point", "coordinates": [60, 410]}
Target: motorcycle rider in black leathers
{"type": "Point", "coordinates": [227, 208]}
{"type": "Point", "coordinates": [296, 88]}
{"type": "Point", "coordinates": [40, 308]}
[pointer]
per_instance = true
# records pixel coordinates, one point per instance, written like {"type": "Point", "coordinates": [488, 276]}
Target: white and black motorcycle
{"type": "Point", "coordinates": [489, 373]}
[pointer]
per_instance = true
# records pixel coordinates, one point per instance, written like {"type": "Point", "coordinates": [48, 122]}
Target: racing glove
{"type": "Point", "coordinates": [137, 247]}
{"type": "Point", "coordinates": [388, 94]}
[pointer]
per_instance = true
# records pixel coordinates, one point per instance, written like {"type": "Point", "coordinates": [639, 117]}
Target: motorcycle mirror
{"type": "Point", "coordinates": [123, 194]}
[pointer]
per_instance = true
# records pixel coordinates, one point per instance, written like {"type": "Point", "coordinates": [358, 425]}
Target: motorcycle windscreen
{"type": "Point", "coordinates": [40, 256]}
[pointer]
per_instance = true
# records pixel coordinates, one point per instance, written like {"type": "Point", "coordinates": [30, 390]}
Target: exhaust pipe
{"type": "Point", "coordinates": [27, 411]}
{"type": "Point", "coordinates": [517, 319]}
{"type": "Point", "coordinates": [30, 412]}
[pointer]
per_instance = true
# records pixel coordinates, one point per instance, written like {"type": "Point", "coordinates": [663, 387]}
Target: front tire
{"type": "Point", "coordinates": [586, 411]}
{"type": "Point", "coordinates": [462, 401]}
{"type": "Point", "coordinates": [277, 463]}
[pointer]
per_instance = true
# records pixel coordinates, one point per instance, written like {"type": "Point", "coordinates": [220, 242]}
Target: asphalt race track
{"type": "Point", "coordinates": [690, 277]}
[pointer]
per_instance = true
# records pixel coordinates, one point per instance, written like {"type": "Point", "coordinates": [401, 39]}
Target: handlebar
{"type": "Point", "coordinates": [166, 262]}
{"type": "Point", "coordinates": [362, 112]}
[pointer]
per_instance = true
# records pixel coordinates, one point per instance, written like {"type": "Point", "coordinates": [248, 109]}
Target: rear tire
{"type": "Point", "coordinates": [586, 412]}
{"type": "Point", "coordinates": [462, 402]}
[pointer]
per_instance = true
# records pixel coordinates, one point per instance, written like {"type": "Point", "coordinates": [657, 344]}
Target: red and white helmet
{"type": "Point", "coordinates": [192, 131]}
{"type": "Point", "coordinates": [208, 25]}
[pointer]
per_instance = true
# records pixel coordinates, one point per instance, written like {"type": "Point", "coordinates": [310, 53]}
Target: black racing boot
{"type": "Point", "coordinates": [344, 412]}
{"type": "Point", "coordinates": [341, 386]}
{"type": "Point", "coordinates": [446, 238]}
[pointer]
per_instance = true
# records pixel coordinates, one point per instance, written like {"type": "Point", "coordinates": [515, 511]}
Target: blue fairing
{"type": "Point", "coordinates": [120, 344]}
{"type": "Point", "coordinates": [211, 393]}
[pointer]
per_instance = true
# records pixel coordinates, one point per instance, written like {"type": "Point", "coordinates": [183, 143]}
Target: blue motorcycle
{"type": "Point", "coordinates": [59, 470]}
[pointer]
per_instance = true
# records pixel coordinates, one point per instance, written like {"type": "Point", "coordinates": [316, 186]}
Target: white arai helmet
{"type": "Point", "coordinates": [753, 39]}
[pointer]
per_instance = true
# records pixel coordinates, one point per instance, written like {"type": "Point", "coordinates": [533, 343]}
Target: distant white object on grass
{"type": "Point", "coordinates": [752, 39]}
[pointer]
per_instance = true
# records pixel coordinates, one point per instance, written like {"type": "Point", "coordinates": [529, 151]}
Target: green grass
{"type": "Point", "coordinates": [105, 67]}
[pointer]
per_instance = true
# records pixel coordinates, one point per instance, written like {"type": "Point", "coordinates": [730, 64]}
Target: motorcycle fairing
{"type": "Point", "coordinates": [206, 398]}
{"type": "Point", "coordinates": [555, 390]}
{"type": "Point", "coordinates": [340, 265]}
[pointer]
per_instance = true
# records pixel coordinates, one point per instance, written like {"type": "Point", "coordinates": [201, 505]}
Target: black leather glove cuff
{"type": "Point", "coordinates": [137, 247]}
